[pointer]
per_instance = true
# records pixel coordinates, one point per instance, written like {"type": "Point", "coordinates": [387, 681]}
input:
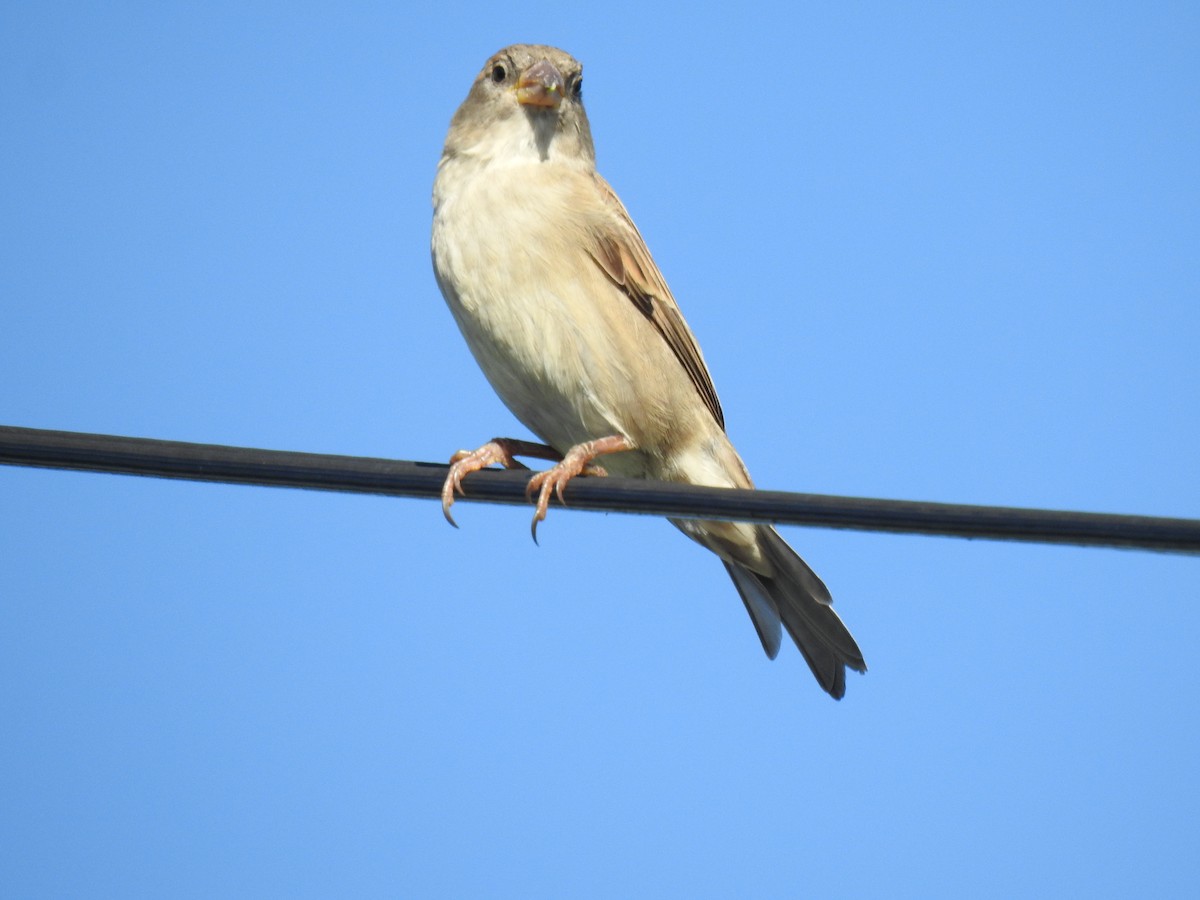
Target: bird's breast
{"type": "Point", "coordinates": [544, 324]}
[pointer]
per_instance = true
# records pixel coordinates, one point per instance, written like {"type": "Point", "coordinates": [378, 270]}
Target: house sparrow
{"type": "Point", "coordinates": [575, 328]}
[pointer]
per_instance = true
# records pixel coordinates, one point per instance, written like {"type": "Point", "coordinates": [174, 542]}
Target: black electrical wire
{"type": "Point", "coordinates": [366, 475]}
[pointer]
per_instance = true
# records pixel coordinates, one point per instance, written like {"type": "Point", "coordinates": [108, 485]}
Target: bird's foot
{"type": "Point", "coordinates": [497, 450]}
{"type": "Point", "coordinates": [576, 461]}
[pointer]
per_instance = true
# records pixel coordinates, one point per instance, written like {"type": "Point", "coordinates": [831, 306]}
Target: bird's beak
{"type": "Point", "coordinates": [541, 85]}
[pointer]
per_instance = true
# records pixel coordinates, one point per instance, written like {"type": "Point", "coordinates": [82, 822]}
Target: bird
{"type": "Point", "coordinates": [572, 323]}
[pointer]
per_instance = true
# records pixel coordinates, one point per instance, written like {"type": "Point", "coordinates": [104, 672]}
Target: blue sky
{"type": "Point", "coordinates": [931, 253]}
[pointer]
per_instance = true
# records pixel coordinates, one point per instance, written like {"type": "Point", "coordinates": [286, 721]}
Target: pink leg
{"type": "Point", "coordinates": [578, 459]}
{"type": "Point", "coordinates": [497, 450]}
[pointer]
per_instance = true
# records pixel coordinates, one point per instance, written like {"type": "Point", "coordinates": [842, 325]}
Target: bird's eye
{"type": "Point", "coordinates": [499, 73]}
{"type": "Point", "coordinates": [577, 86]}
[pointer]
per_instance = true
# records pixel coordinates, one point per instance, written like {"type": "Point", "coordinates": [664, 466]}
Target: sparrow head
{"type": "Point", "coordinates": [527, 101]}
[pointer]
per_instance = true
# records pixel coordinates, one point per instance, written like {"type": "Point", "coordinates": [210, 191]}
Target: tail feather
{"type": "Point", "coordinates": [763, 611]}
{"type": "Point", "coordinates": [794, 596]}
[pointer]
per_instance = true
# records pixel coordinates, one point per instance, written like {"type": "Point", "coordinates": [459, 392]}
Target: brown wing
{"type": "Point", "coordinates": [622, 254]}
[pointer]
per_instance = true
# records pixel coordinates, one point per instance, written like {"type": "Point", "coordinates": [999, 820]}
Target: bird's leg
{"type": "Point", "coordinates": [497, 450]}
{"type": "Point", "coordinates": [576, 460]}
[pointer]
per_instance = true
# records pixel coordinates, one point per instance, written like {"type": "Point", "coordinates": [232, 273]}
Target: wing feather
{"type": "Point", "coordinates": [621, 253]}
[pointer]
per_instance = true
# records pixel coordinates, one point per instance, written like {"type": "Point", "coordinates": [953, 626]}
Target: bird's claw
{"type": "Point", "coordinates": [544, 483]}
{"type": "Point", "coordinates": [551, 482]}
{"type": "Point", "coordinates": [453, 484]}
{"type": "Point", "coordinates": [464, 462]}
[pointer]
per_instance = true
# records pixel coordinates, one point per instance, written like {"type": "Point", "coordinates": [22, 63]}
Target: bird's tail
{"type": "Point", "coordinates": [795, 596]}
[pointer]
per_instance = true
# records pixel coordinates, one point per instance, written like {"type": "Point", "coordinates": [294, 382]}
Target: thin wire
{"type": "Point", "coordinates": [366, 475]}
